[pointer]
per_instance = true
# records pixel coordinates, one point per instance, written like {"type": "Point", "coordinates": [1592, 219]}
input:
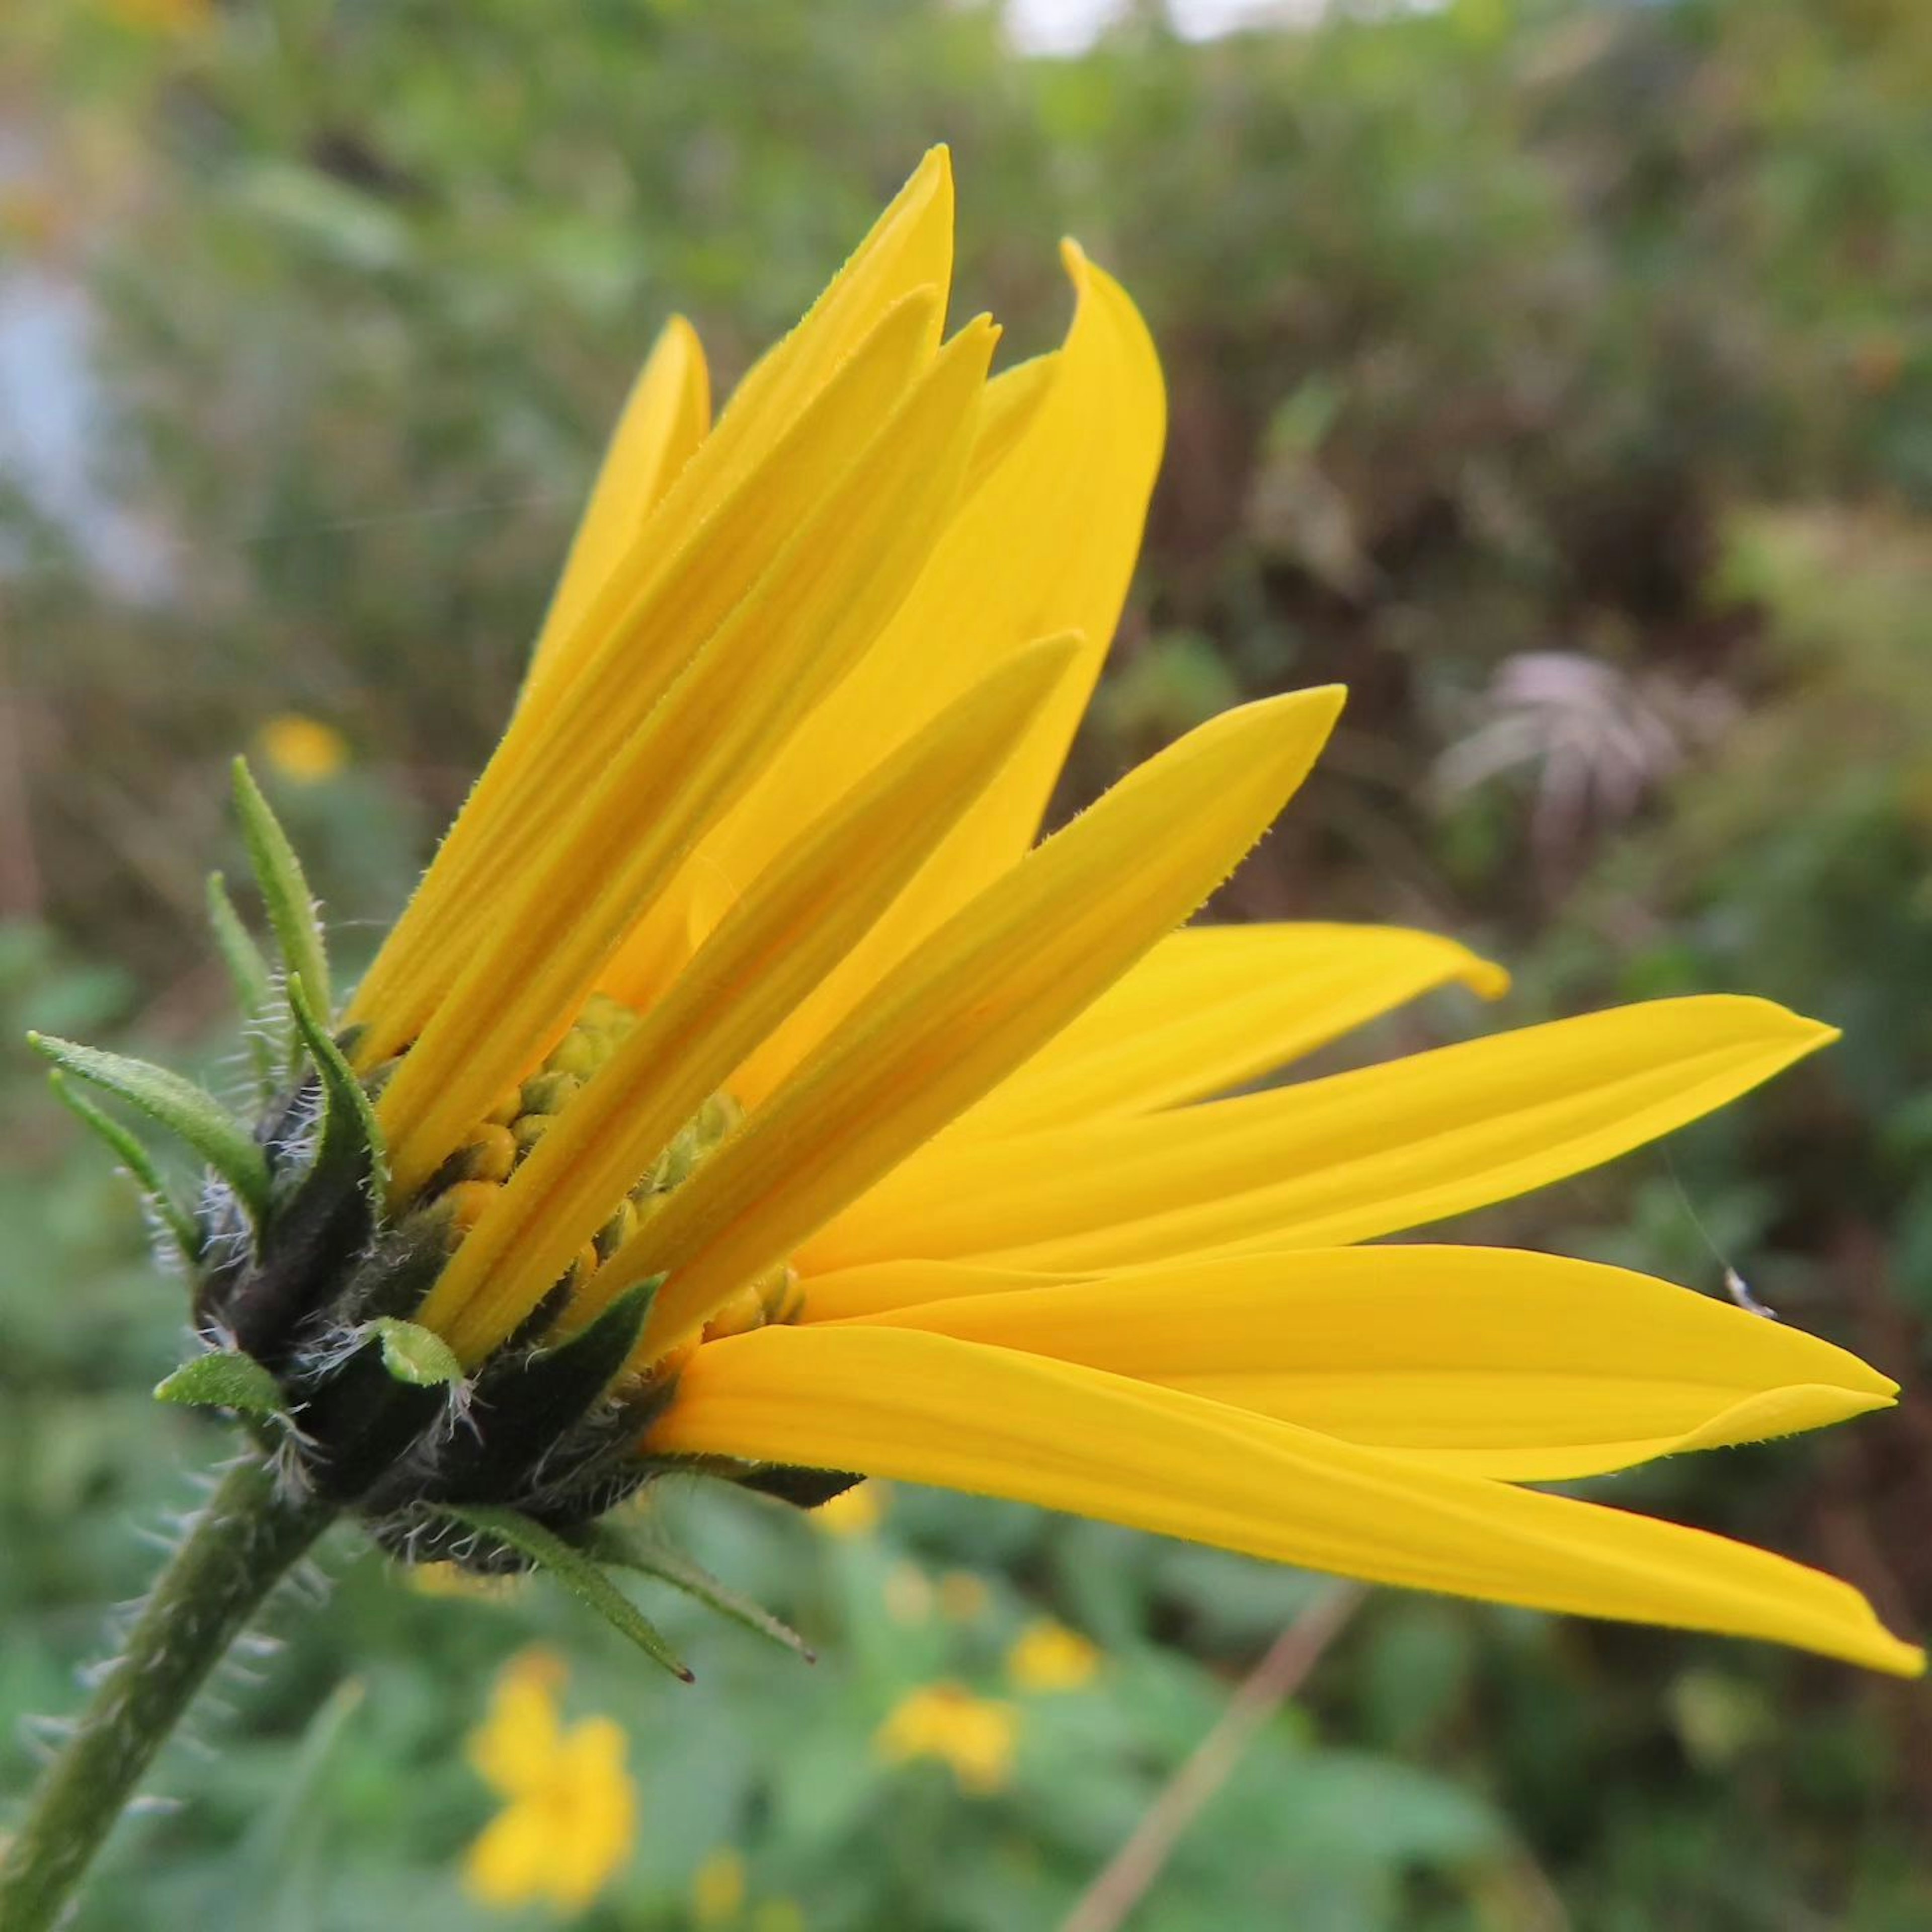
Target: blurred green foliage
{"type": "Point", "coordinates": [1559, 375]}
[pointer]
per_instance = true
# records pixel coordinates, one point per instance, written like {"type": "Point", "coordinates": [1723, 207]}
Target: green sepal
{"type": "Point", "coordinates": [323, 1215]}
{"type": "Point", "coordinates": [286, 897]}
{"type": "Point", "coordinates": [179, 1106]}
{"type": "Point", "coordinates": [415, 1354]}
{"type": "Point", "coordinates": [578, 1573]}
{"type": "Point", "coordinates": [526, 1403]}
{"type": "Point", "coordinates": [226, 1379]}
{"type": "Point", "coordinates": [351, 1145]}
{"type": "Point", "coordinates": [248, 972]}
{"type": "Point", "coordinates": [626, 1550]}
{"type": "Point", "coordinates": [803, 1489]}
{"type": "Point", "coordinates": [139, 1163]}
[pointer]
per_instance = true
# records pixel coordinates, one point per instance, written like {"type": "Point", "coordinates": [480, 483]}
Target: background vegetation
{"type": "Point", "coordinates": [1559, 375]}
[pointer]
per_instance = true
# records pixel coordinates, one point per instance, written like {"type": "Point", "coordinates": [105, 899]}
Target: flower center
{"type": "Point", "coordinates": [464, 1190]}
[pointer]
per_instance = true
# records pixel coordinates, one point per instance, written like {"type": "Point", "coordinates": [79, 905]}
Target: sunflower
{"type": "Point", "coordinates": [748, 1092]}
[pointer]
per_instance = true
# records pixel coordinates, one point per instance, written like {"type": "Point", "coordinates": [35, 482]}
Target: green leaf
{"type": "Point", "coordinates": [178, 1105]}
{"type": "Point", "coordinates": [578, 1573]}
{"type": "Point", "coordinates": [285, 892]}
{"type": "Point", "coordinates": [651, 1558]}
{"type": "Point", "coordinates": [273, 1867]}
{"type": "Point", "coordinates": [226, 1379]}
{"type": "Point", "coordinates": [415, 1354]}
{"type": "Point", "coordinates": [248, 972]}
{"type": "Point", "coordinates": [139, 1162]}
{"type": "Point", "coordinates": [352, 1140]}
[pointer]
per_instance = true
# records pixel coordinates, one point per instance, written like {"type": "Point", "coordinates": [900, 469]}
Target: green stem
{"type": "Point", "coordinates": [241, 1546]}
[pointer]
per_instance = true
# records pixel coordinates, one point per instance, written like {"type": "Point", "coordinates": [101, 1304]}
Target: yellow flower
{"type": "Point", "coordinates": [1048, 1656]}
{"type": "Point", "coordinates": [718, 1889]}
{"type": "Point", "coordinates": [964, 1597]}
{"type": "Point", "coordinates": [302, 750]}
{"type": "Point", "coordinates": [908, 1594]}
{"type": "Point", "coordinates": [452, 1579]}
{"type": "Point", "coordinates": [740, 987]}
{"type": "Point", "coordinates": [570, 1812]}
{"type": "Point", "coordinates": [975, 1736]}
{"type": "Point", "coordinates": [165, 16]}
{"type": "Point", "coordinates": [854, 1512]}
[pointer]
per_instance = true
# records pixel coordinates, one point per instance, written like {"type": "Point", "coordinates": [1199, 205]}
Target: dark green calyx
{"type": "Point", "coordinates": [803, 1489]}
{"type": "Point", "coordinates": [309, 1275]}
{"type": "Point", "coordinates": [550, 1432]}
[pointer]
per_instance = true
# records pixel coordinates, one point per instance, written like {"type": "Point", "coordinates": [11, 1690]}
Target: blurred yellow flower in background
{"type": "Point", "coordinates": [452, 1579]}
{"type": "Point", "coordinates": [570, 1810]}
{"type": "Point", "coordinates": [964, 1597]}
{"type": "Point", "coordinates": [975, 1736]}
{"type": "Point", "coordinates": [857, 1512]}
{"type": "Point", "coordinates": [160, 17]}
{"type": "Point", "coordinates": [1048, 1656]}
{"type": "Point", "coordinates": [718, 1888]}
{"type": "Point", "coordinates": [908, 1594]}
{"type": "Point", "coordinates": [302, 750]}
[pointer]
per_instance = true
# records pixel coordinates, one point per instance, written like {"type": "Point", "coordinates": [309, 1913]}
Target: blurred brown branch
{"type": "Point", "coordinates": [1124, 1881]}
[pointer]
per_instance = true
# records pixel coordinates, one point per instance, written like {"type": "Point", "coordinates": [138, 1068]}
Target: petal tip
{"type": "Point", "coordinates": [1485, 978]}
{"type": "Point", "coordinates": [1895, 1657]}
{"type": "Point", "coordinates": [1326, 701]}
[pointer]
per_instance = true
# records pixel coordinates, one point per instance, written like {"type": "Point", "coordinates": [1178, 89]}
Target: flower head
{"type": "Point", "coordinates": [1047, 1656]}
{"type": "Point", "coordinates": [718, 1888]}
{"type": "Point", "coordinates": [855, 1512]}
{"type": "Point", "coordinates": [745, 1090]}
{"type": "Point", "coordinates": [569, 1816]}
{"type": "Point", "coordinates": [975, 1737]}
{"type": "Point", "coordinates": [305, 751]}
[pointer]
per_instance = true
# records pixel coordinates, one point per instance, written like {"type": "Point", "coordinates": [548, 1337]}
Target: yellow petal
{"type": "Point", "coordinates": [643, 627]}
{"type": "Point", "coordinates": [813, 902]}
{"type": "Point", "coordinates": [910, 247]}
{"type": "Point", "coordinates": [1215, 1007]}
{"type": "Point", "coordinates": [901, 682]}
{"type": "Point", "coordinates": [560, 918]}
{"type": "Point", "coordinates": [508, 1864]}
{"type": "Point", "coordinates": [909, 251]}
{"type": "Point", "coordinates": [888, 1285]}
{"type": "Point", "coordinates": [1328, 1162]}
{"type": "Point", "coordinates": [979, 995]}
{"type": "Point", "coordinates": [926, 1409]}
{"type": "Point", "coordinates": [515, 1747]}
{"type": "Point", "coordinates": [664, 420]}
{"type": "Point", "coordinates": [1045, 542]}
{"type": "Point", "coordinates": [1489, 1361]}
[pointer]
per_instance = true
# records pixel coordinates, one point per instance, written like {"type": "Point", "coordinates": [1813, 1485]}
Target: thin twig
{"type": "Point", "coordinates": [1124, 1881]}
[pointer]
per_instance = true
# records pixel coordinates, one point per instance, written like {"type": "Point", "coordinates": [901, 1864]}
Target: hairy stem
{"type": "Point", "coordinates": [239, 1547]}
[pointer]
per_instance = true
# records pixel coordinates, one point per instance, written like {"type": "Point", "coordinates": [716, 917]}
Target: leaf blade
{"type": "Point", "coordinates": [248, 973]}
{"type": "Point", "coordinates": [578, 1572]}
{"type": "Point", "coordinates": [284, 885]}
{"type": "Point", "coordinates": [351, 1137]}
{"type": "Point", "coordinates": [651, 1558]}
{"type": "Point", "coordinates": [169, 1101]}
{"type": "Point", "coordinates": [137, 1161]}
{"type": "Point", "coordinates": [225, 1379]}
